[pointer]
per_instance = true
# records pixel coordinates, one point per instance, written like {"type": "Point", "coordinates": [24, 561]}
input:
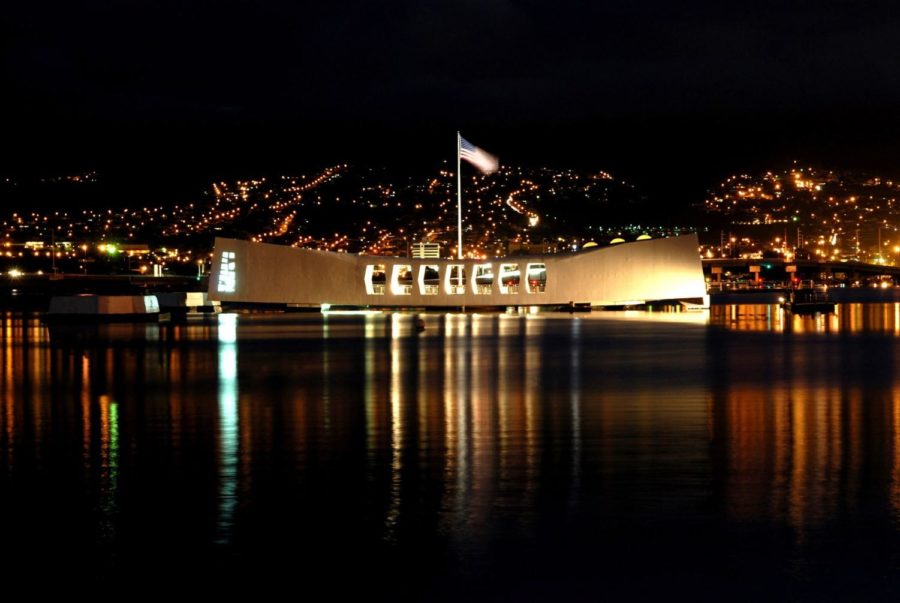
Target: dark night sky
{"type": "Point", "coordinates": [648, 89]}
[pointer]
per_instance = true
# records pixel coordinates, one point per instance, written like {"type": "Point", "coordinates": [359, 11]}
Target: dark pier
{"type": "Point", "coordinates": [32, 293]}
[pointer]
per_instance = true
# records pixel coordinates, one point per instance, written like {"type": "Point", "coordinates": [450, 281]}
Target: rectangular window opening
{"type": "Point", "coordinates": [455, 279]}
{"type": "Point", "coordinates": [484, 279]}
{"type": "Point", "coordinates": [375, 279]}
{"type": "Point", "coordinates": [429, 279]}
{"type": "Point", "coordinates": [509, 279]}
{"type": "Point", "coordinates": [537, 278]}
{"type": "Point", "coordinates": [402, 279]}
{"type": "Point", "coordinates": [227, 274]}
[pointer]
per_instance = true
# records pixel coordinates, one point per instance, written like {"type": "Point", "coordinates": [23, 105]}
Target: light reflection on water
{"type": "Point", "coordinates": [229, 426]}
{"type": "Point", "coordinates": [847, 318]}
{"type": "Point", "coordinates": [484, 437]}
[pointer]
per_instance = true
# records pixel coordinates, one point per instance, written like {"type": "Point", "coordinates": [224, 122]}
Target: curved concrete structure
{"type": "Point", "coordinates": [624, 274]}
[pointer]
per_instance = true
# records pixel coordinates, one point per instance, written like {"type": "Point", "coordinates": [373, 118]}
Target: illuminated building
{"type": "Point", "coordinates": [625, 274]}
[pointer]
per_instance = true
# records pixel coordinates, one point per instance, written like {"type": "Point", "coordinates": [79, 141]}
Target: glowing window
{"type": "Point", "coordinates": [401, 279]}
{"type": "Point", "coordinates": [509, 278]}
{"type": "Point", "coordinates": [537, 278]}
{"type": "Point", "coordinates": [429, 279]}
{"type": "Point", "coordinates": [455, 279]}
{"type": "Point", "coordinates": [483, 283]}
{"type": "Point", "coordinates": [375, 279]}
{"type": "Point", "coordinates": [227, 277]}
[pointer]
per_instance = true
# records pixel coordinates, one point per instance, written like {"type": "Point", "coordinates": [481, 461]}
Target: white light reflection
{"type": "Point", "coordinates": [370, 395]}
{"type": "Point", "coordinates": [393, 513]}
{"type": "Point", "coordinates": [461, 388]}
{"type": "Point", "coordinates": [483, 435]}
{"type": "Point", "coordinates": [228, 427]}
{"type": "Point", "coordinates": [227, 328]}
{"type": "Point", "coordinates": [575, 403]}
{"type": "Point", "coordinates": [456, 436]}
{"type": "Point", "coordinates": [395, 326]}
{"type": "Point", "coordinates": [533, 328]}
{"type": "Point", "coordinates": [476, 324]}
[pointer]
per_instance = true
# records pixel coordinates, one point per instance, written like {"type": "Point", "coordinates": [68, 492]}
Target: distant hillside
{"type": "Point", "coordinates": [827, 213]}
{"type": "Point", "coordinates": [343, 208]}
{"type": "Point", "coordinates": [374, 211]}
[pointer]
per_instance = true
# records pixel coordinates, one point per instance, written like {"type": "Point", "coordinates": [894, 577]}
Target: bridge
{"type": "Point", "coordinates": [768, 270]}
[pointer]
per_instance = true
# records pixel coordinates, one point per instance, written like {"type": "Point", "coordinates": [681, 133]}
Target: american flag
{"type": "Point", "coordinates": [485, 162]}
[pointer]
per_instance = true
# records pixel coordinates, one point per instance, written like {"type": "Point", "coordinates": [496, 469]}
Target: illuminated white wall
{"type": "Point", "coordinates": [657, 269]}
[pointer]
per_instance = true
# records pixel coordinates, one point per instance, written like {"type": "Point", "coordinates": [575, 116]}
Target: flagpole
{"type": "Point", "coordinates": [459, 253]}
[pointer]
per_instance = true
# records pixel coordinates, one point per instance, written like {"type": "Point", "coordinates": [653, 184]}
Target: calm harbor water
{"type": "Point", "coordinates": [735, 453]}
